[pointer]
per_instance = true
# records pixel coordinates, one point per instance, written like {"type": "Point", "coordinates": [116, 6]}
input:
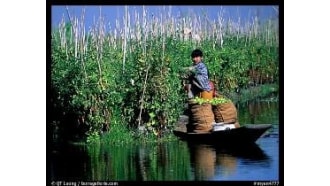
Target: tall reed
{"type": "Point", "coordinates": [129, 75]}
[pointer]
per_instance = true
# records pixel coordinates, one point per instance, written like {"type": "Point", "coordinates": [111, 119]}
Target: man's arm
{"type": "Point", "coordinates": [201, 76]}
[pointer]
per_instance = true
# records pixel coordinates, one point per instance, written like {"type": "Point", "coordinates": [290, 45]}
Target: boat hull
{"type": "Point", "coordinates": [248, 133]}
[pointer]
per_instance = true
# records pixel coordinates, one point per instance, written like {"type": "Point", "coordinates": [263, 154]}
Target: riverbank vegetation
{"type": "Point", "coordinates": [125, 83]}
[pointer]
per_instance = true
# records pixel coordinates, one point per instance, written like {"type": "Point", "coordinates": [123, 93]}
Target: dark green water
{"type": "Point", "coordinates": [177, 160]}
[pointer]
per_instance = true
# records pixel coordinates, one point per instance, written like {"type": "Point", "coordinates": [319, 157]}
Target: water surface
{"type": "Point", "coordinates": [176, 160]}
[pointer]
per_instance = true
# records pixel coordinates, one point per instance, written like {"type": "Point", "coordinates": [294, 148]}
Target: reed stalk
{"type": "Point", "coordinates": [125, 37]}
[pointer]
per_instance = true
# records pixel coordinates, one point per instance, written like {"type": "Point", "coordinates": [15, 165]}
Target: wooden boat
{"type": "Point", "coordinates": [248, 133]}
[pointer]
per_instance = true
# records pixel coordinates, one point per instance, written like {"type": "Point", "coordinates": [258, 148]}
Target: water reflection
{"type": "Point", "coordinates": [68, 163]}
{"type": "Point", "coordinates": [227, 164]}
{"type": "Point", "coordinates": [203, 160]}
{"type": "Point", "coordinates": [175, 161]}
{"type": "Point", "coordinates": [258, 111]}
{"type": "Point", "coordinates": [144, 162]}
{"type": "Point", "coordinates": [181, 161]}
{"type": "Point", "coordinates": [210, 160]}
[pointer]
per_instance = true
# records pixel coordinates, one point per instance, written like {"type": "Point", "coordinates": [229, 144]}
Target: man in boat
{"type": "Point", "coordinates": [201, 116]}
{"type": "Point", "coordinates": [199, 83]}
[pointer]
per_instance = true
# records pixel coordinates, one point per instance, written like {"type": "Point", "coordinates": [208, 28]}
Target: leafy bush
{"type": "Point", "coordinates": [101, 81]}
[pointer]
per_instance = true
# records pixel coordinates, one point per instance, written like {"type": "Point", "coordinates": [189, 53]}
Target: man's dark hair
{"type": "Point", "coordinates": [196, 53]}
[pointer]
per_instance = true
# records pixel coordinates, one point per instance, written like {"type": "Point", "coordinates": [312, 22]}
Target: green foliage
{"type": "Point", "coordinates": [214, 101]}
{"type": "Point", "coordinates": [219, 100]}
{"type": "Point", "coordinates": [94, 92]}
{"type": "Point", "coordinates": [200, 101]}
{"type": "Point", "coordinates": [94, 137]}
